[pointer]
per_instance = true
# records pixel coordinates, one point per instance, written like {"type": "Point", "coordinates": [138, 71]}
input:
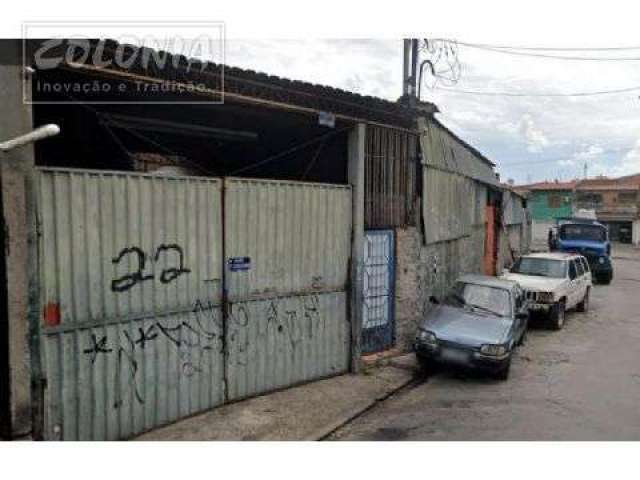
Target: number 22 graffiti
{"type": "Point", "coordinates": [167, 275]}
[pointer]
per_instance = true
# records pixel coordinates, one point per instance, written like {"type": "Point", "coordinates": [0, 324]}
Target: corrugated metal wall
{"type": "Point", "coordinates": [130, 283]}
{"type": "Point", "coordinates": [296, 234]}
{"type": "Point", "coordinates": [455, 192]}
{"type": "Point", "coordinates": [448, 210]}
{"type": "Point", "coordinates": [442, 150]}
{"type": "Point", "coordinates": [390, 194]}
{"type": "Point", "coordinates": [277, 342]}
{"type": "Point", "coordinates": [289, 315]}
{"type": "Point", "coordinates": [454, 185]}
{"type": "Point", "coordinates": [514, 234]}
{"type": "Point", "coordinates": [132, 278]}
{"type": "Point", "coordinates": [513, 212]}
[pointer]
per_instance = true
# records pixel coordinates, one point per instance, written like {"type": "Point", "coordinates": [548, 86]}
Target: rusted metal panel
{"type": "Point", "coordinates": [278, 342]}
{"type": "Point", "coordinates": [391, 161]}
{"type": "Point", "coordinates": [131, 269]}
{"type": "Point", "coordinates": [295, 237]}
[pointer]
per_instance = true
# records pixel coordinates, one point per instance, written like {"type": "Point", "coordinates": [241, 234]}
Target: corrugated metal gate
{"type": "Point", "coordinates": [378, 291]}
{"type": "Point", "coordinates": [288, 312]}
{"type": "Point", "coordinates": [146, 320]}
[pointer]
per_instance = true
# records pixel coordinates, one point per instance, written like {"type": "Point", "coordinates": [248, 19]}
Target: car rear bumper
{"type": "Point", "coordinates": [461, 357]}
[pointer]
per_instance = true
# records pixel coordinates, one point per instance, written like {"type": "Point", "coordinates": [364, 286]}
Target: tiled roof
{"type": "Point", "coordinates": [605, 183]}
{"type": "Point", "coordinates": [548, 186]}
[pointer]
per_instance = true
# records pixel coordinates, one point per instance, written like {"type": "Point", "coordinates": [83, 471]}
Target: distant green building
{"type": "Point", "coordinates": [547, 201]}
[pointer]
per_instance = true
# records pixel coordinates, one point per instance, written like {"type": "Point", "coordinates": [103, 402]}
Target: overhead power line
{"type": "Point", "coordinates": [549, 49]}
{"type": "Point", "coordinates": [551, 56]}
{"type": "Point", "coordinates": [539, 51]}
{"type": "Point", "coordinates": [540, 94]}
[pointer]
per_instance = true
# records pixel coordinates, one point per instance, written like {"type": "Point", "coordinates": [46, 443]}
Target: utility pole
{"type": "Point", "coordinates": [585, 170]}
{"type": "Point", "coordinates": [406, 67]}
{"type": "Point", "coordinates": [410, 71]}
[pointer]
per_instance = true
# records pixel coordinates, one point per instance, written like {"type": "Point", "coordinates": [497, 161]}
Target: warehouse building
{"type": "Point", "coordinates": [164, 258]}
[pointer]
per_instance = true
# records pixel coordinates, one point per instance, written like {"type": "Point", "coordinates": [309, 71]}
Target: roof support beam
{"type": "Point", "coordinates": [217, 94]}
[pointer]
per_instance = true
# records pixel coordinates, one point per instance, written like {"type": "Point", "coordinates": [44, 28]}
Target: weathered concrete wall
{"type": "Point", "coordinates": [16, 176]}
{"type": "Point", "coordinates": [510, 246]}
{"type": "Point", "coordinates": [426, 270]}
{"type": "Point", "coordinates": [539, 233]}
{"type": "Point", "coordinates": [407, 297]}
{"type": "Point", "coordinates": [355, 168]}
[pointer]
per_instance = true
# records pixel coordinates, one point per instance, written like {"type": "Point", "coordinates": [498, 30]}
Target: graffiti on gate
{"type": "Point", "coordinates": [195, 338]}
{"type": "Point", "coordinates": [199, 335]}
{"type": "Point", "coordinates": [293, 319]}
{"type": "Point", "coordinates": [139, 259]}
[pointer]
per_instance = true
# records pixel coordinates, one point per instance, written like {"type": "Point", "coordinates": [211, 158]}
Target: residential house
{"type": "Point", "coordinates": [615, 201]}
{"type": "Point", "coordinates": [547, 201]}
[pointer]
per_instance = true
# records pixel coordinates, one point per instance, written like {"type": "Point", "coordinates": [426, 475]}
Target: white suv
{"type": "Point", "coordinates": [553, 283]}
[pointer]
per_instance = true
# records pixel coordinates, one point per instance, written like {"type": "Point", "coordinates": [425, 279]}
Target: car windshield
{"type": "Point", "coordinates": [541, 267]}
{"type": "Point", "coordinates": [482, 298]}
{"type": "Point", "coordinates": [583, 232]}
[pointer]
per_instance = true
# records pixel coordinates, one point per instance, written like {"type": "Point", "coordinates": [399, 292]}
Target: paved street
{"type": "Point", "coordinates": [582, 383]}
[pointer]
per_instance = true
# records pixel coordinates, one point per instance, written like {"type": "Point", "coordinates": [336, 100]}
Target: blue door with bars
{"type": "Point", "coordinates": [378, 326]}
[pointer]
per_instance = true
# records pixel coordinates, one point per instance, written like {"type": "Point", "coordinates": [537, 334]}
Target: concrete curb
{"type": "Point", "coordinates": [356, 412]}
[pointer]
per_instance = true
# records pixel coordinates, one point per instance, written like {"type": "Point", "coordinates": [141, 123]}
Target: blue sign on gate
{"type": "Point", "coordinates": [239, 264]}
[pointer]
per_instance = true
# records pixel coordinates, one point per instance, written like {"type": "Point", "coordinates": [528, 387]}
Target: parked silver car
{"type": "Point", "coordinates": [477, 325]}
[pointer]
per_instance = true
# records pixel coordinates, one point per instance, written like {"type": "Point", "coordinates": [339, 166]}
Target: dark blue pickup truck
{"type": "Point", "coordinates": [589, 238]}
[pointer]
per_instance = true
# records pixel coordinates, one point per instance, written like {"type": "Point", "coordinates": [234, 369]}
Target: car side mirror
{"type": "Point", "coordinates": [434, 300]}
{"type": "Point", "coordinates": [522, 315]}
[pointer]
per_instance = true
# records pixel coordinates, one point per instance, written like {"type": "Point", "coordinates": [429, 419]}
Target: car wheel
{"type": "Point", "coordinates": [605, 279]}
{"type": "Point", "coordinates": [427, 367]}
{"type": "Point", "coordinates": [558, 316]}
{"type": "Point", "coordinates": [522, 338]}
{"type": "Point", "coordinates": [583, 306]}
{"type": "Point", "coordinates": [503, 373]}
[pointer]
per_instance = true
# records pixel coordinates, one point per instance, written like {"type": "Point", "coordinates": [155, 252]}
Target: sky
{"type": "Point", "coordinates": [530, 138]}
